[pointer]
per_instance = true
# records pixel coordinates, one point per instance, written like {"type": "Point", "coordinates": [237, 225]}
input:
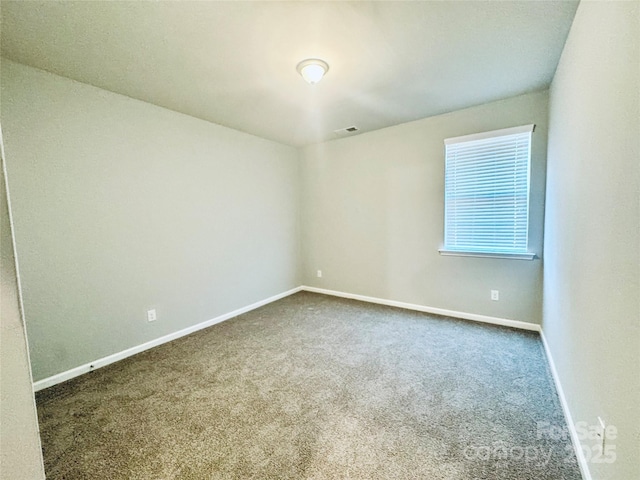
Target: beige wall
{"type": "Point", "coordinates": [20, 455]}
{"type": "Point", "coordinates": [373, 208]}
{"type": "Point", "coordinates": [121, 206]}
{"type": "Point", "coordinates": [592, 239]}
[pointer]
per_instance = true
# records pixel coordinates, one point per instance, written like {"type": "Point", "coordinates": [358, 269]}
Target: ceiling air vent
{"type": "Point", "coordinates": [345, 131]}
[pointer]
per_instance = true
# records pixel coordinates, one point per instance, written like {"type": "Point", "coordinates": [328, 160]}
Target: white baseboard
{"type": "Point", "coordinates": [101, 362]}
{"type": "Point", "coordinates": [88, 367]}
{"type": "Point", "coordinates": [437, 311]}
{"type": "Point", "coordinates": [582, 461]}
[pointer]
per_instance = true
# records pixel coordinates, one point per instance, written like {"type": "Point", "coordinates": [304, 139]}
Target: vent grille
{"type": "Point", "coordinates": [346, 131]}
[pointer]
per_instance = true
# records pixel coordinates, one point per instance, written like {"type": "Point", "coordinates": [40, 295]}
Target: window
{"type": "Point", "coordinates": [487, 194]}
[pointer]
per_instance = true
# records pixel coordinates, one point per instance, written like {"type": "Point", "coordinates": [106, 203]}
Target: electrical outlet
{"type": "Point", "coordinates": [495, 295]}
{"type": "Point", "coordinates": [151, 315]}
{"type": "Point", "coordinates": [319, 273]}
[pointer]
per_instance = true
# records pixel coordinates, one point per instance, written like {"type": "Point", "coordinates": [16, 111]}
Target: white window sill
{"type": "Point", "coordinates": [513, 256]}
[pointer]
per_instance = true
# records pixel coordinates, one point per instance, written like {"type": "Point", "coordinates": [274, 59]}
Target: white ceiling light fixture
{"type": "Point", "coordinates": [312, 70]}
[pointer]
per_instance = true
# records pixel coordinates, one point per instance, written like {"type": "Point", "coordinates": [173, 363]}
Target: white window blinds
{"type": "Point", "coordinates": [487, 192]}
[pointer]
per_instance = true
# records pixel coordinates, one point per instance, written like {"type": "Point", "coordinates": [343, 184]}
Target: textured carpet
{"type": "Point", "coordinates": [315, 387]}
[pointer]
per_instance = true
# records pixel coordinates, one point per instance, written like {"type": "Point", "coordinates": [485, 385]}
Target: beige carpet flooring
{"type": "Point", "coordinates": [315, 387]}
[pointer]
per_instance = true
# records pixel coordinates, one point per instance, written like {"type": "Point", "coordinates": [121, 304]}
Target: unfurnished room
{"type": "Point", "coordinates": [320, 240]}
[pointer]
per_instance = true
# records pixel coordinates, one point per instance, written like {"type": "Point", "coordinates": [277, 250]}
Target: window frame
{"type": "Point", "coordinates": [479, 252]}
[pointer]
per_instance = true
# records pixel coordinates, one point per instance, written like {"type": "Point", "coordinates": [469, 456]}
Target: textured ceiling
{"type": "Point", "coordinates": [233, 63]}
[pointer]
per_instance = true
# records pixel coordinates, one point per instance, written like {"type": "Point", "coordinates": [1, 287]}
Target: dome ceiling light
{"type": "Point", "coordinates": [312, 70]}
